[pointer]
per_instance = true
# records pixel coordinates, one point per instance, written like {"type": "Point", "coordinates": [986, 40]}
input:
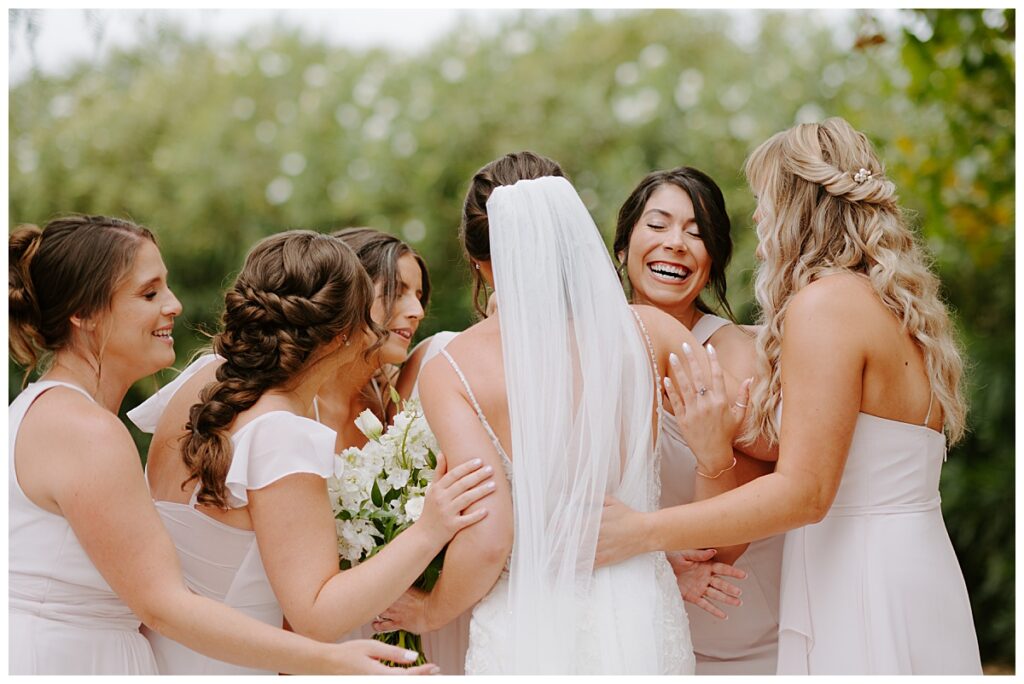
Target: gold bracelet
{"type": "Point", "coordinates": [720, 472]}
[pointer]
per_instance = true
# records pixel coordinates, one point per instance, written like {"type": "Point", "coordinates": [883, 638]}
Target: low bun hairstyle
{"type": "Point", "coordinates": [474, 231]}
{"type": "Point", "coordinates": [70, 267]}
{"type": "Point", "coordinates": [297, 292]}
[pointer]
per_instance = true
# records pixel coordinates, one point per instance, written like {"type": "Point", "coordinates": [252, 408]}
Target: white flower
{"type": "Point", "coordinates": [356, 538]}
{"type": "Point", "coordinates": [414, 507]}
{"type": "Point", "coordinates": [370, 425]}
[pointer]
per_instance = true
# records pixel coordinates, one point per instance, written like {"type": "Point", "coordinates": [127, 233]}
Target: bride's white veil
{"type": "Point", "coordinates": [580, 397]}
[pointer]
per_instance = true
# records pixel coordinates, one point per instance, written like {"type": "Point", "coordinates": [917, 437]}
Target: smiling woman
{"type": "Point", "coordinates": [90, 560]}
{"type": "Point", "coordinates": [673, 242]}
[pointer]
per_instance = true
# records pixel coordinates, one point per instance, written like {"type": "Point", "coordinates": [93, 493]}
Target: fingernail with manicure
{"type": "Point", "coordinates": [673, 359]}
{"type": "Point", "coordinates": [411, 655]}
{"type": "Point", "coordinates": [686, 347]}
{"type": "Point", "coordinates": [711, 349]}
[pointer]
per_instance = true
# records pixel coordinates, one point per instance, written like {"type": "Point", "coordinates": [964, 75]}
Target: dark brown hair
{"type": "Point", "coordinates": [712, 223]}
{"type": "Point", "coordinates": [297, 292]}
{"type": "Point", "coordinates": [474, 231]}
{"type": "Point", "coordinates": [379, 253]}
{"type": "Point", "coordinates": [69, 268]}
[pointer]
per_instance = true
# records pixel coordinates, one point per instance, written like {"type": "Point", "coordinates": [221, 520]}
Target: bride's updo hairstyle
{"type": "Point", "coordinates": [474, 230]}
{"type": "Point", "coordinates": [298, 291]}
{"type": "Point", "coordinates": [70, 267]}
{"type": "Point", "coordinates": [826, 207]}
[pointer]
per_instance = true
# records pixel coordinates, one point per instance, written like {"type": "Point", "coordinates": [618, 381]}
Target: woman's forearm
{"type": "Point", "coordinates": [766, 506]}
{"type": "Point", "coordinates": [708, 485]}
{"type": "Point", "coordinates": [215, 630]}
{"type": "Point", "coordinates": [352, 597]}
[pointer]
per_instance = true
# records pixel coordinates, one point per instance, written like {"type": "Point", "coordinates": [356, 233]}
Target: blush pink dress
{"type": "Point", "coordinates": [746, 643]}
{"type": "Point", "coordinates": [875, 587]}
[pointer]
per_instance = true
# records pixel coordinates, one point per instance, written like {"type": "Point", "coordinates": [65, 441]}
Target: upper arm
{"type": "Point", "coordinates": [295, 530]}
{"type": "Point", "coordinates": [103, 495]}
{"type": "Point", "coordinates": [462, 437]}
{"type": "Point", "coordinates": [821, 391]}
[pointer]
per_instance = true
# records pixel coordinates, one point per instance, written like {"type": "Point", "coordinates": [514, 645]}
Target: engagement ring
{"type": "Point", "coordinates": [702, 391]}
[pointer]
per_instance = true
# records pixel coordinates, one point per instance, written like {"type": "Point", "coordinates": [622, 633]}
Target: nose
{"type": "Point", "coordinates": [172, 307]}
{"type": "Point", "coordinates": [674, 240]}
{"type": "Point", "coordinates": [415, 310]}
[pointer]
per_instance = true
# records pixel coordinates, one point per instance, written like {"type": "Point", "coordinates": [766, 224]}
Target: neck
{"type": "Point", "coordinates": [106, 384]}
{"type": "Point", "coordinates": [340, 397]}
{"type": "Point", "coordinates": [688, 314]}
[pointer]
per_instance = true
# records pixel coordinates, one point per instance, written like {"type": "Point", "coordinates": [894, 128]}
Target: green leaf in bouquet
{"type": "Point", "coordinates": [394, 395]}
{"type": "Point", "coordinates": [431, 459]}
{"type": "Point", "coordinates": [376, 496]}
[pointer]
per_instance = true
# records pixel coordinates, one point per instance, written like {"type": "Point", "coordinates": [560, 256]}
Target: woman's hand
{"type": "Point", "coordinates": [364, 656]}
{"type": "Point", "coordinates": [447, 497]}
{"type": "Point", "coordinates": [409, 613]}
{"type": "Point", "coordinates": [707, 419]}
{"type": "Point", "coordinates": [700, 580]}
{"type": "Point", "coordinates": [621, 533]}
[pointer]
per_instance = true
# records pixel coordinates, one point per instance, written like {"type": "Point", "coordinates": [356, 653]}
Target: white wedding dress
{"type": "Point", "coordinates": [580, 394]}
{"type": "Point", "coordinates": [488, 651]}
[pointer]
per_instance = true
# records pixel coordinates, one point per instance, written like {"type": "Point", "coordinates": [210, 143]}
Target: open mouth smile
{"type": "Point", "coordinates": [669, 273]}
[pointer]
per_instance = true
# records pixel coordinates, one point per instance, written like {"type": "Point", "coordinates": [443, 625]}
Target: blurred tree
{"type": "Point", "coordinates": [216, 145]}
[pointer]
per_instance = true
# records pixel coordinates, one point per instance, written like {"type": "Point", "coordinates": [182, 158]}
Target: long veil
{"type": "Point", "coordinates": [580, 393]}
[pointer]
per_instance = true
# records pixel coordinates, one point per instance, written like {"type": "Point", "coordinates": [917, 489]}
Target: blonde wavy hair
{"type": "Point", "coordinates": [826, 207]}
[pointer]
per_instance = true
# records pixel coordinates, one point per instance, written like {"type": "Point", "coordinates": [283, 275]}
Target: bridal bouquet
{"type": "Point", "coordinates": [377, 492]}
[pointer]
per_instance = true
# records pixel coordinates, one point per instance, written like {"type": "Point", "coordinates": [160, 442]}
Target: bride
{"type": "Point", "coordinates": [559, 390]}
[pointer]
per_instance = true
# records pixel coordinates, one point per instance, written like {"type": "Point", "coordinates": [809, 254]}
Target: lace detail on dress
{"type": "Point", "coordinates": [654, 488]}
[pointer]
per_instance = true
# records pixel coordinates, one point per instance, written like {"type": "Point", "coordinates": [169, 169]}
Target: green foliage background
{"type": "Point", "coordinates": [217, 145]}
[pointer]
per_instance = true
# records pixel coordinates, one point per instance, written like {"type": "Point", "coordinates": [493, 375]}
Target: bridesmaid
{"type": "Point", "coordinates": [90, 560]}
{"type": "Point", "coordinates": [871, 585]}
{"type": "Point", "coordinates": [238, 470]}
{"type": "Point", "coordinates": [673, 243]}
{"type": "Point", "coordinates": [402, 291]}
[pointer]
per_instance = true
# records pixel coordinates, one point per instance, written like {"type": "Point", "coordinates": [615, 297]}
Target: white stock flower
{"type": "Point", "coordinates": [370, 425]}
{"type": "Point", "coordinates": [414, 507]}
{"type": "Point", "coordinates": [355, 538]}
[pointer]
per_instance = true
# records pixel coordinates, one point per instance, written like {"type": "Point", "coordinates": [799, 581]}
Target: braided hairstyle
{"type": "Point", "coordinates": [826, 207]}
{"type": "Point", "coordinates": [474, 231]}
{"type": "Point", "coordinates": [297, 292]}
{"type": "Point", "coordinates": [70, 267]}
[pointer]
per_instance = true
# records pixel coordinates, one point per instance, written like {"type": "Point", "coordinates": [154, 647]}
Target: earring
{"type": "Point", "coordinates": [344, 338]}
{"type": "Point", "coordinates": [476, 265]}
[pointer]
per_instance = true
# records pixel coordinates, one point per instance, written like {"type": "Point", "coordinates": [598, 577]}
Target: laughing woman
{"type": "Point", "coordinates": [860, 343]}
{"type": "Point", "coordinates": [673, 242]}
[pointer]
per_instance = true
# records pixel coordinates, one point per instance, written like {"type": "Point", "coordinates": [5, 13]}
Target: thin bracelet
{"type": "Point", "coordinates": [720, 472]}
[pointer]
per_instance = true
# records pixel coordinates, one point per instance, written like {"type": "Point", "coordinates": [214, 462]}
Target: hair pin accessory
{"type": "Point", "coordinates": [862, 175]}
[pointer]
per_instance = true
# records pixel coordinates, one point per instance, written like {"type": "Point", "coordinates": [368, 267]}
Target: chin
{"type": "Point", "coordinates": [393, 354]}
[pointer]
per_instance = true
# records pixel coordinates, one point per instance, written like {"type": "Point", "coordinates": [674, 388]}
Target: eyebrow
{"type": "Point", "coordinates": [655, 210]}
{"type": "Point", "coordinates": [150, 283]}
